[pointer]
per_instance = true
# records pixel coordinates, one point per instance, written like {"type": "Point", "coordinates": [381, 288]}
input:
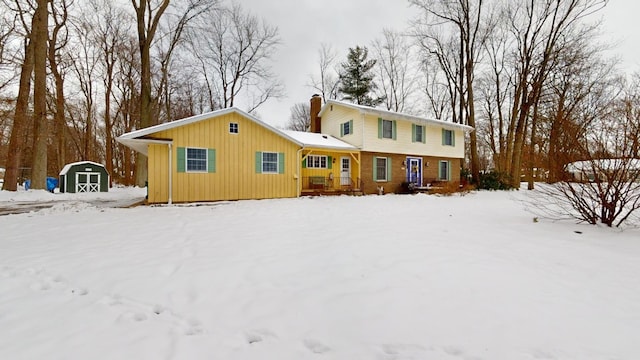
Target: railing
{"type": "Point", "coordinates": [321, 183]}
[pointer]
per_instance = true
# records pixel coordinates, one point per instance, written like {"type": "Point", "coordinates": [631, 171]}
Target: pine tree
{"type": "Point", "coordinates": [356, 78]}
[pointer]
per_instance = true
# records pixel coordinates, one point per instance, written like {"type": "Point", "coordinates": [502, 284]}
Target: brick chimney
{"type": "Point", "coordinates": [316, 105]}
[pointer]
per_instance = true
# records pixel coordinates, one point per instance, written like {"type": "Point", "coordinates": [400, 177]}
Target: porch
{"type": "Point", "coordinates": [330, 185]}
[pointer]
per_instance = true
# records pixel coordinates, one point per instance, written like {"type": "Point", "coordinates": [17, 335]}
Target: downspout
{"type": "Point", "coordinates": [299, 171]}
{"type": "Point", "coordinates": [170, 175]}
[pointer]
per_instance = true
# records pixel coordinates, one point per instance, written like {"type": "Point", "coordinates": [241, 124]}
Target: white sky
{"type": "Point", "coordinates": [305, 24]}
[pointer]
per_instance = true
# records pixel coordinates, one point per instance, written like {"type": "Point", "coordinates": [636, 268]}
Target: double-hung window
{"type": "Point", "coordinates": [418, 133]}
{"type": "Point", "coordinates": [444, 170]}
{"type": "Point", "coordinates": [381, 168]}
{"type": "Point", "coordinates": [448, 137]}
{"type": "Point", "coordinates": [346, 128]}
{"type": "Point", "coordinates": [196, 160]}
{"type": "Point", "coordinates": [269, 163]}
{"type": "Point", "coordinates": [387, 129]}
{"type": "Point", "coordinates": [317, 162]}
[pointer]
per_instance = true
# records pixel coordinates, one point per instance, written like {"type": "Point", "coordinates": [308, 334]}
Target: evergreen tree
{"type": "Point", "coordinates": [356, 78]}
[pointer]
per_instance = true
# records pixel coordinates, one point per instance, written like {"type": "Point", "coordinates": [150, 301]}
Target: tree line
{"type": "Point", "coordinates": [532, 78]}
{"type": "Point", "coordinates": [76, 74]}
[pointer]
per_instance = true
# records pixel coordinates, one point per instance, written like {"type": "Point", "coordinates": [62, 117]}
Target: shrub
{"type": "Point", "coordinates": [494, 180]}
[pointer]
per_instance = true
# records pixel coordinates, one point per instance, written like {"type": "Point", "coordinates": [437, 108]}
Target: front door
{"type": "Point", "coordinates": [414, 171]}
{"type": "Point", "coordinates": [345, 170]}
{"type": "Point", "coordinates": [87, 182]}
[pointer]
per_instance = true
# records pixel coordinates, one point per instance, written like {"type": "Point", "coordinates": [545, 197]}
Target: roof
{"type": "Point", "coordinates": [67, 167]}
{"type": "Point", "coordinates": [603, 164]}
{"type": "Point", "coordinates": [137, 141]}
{"type": "Point", "coordinates": [308, 139]}
{"type": "Point", "coordinates": [395, 115]}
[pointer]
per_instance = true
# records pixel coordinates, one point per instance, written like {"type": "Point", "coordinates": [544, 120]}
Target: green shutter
{"type": "Point", "coordinates": [180, 152]}
{"type": "Point", "coordinates": [394, 130]}
{"type": "Point", "coordinates": [329, 162]}
{"type": "Point", "coordinates": [448, 170]}
{"type": "Point", "coordinates": [413, 132]}
{"type": "Point", "coordinates": [440, 170]}
{"type": "Point", "coordinates": [379, 128]}
{"type": "Point", "coordinates": [258, 162]}
{"type": "Point", "coordinates": [211, 158]}
{"type": "Point", "coordinates": [424, 134]}
{"type": "Point", "coordinates": [453, 138]}
{"type": "Point", "coordinates": [350, 126]}
{"type": "Point", "coordinates": [304, 163]}
{"type": "Point", "coordinates": [389, 169]}
{"type": "Point", "coordinates": [280, 163]}
{"type": "Point", "coordinates": [342, 130]}
{"type": "Point", "coordinates": [443, 137]}
{"type": "Point", "coordinates": [375, 168]}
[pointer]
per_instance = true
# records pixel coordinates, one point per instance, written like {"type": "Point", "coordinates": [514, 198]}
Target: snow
{"type": "Point", "coordinates": [318, 140]}
{"type": "Point", "coordinates": [372, 277]}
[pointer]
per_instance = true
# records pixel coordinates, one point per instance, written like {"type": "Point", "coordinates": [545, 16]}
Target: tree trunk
{"type": "Point", "coordinates": [41, 126]}
{"type": "Point", "coordinates": [20, 121]}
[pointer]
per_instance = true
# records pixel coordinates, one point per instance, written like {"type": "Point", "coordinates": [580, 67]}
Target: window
{"type": "Point", "coordinates": [233, 128]}
{"type": "Point", "coordinates": [444, 170]}
{"type": "Point", "coordinates": [196, 159]}
{"type": "Point", "coordinates": [269, 163]}
{"type": "Point", "coordinates": [381, 167]}
{"type": "Point", "coordinates": [418, 133]}
{"type": "Point", "coordinates": [317, 162]}
{"type": "Point", "coordinates": [387, 129]}
{"type": "Point", "coordinates": [346, 128]}
{"type": "Point", "coordinates": [448, 137]}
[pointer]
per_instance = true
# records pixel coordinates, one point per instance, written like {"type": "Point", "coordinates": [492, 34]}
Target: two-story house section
{"type": "Point", "coordinates": [395, 147]}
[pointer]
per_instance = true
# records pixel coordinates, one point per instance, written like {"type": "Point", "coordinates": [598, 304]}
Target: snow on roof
{"type": "Point", "coordinates": [395, 115]}
{"type": "Point", "coordinates": [135, 140]}
{"type": "Point", "coordinates": [603, 164]}
{"type": "Point", "coordinates": [318, 140]}
{"type": "Point", "coordinates": [66, 168]}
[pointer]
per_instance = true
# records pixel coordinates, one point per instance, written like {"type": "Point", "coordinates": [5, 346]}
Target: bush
{"type": "Point", "coordinates": [495, 180]}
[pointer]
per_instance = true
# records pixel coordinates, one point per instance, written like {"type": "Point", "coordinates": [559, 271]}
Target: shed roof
{"type": "Point", "coordinates": [603, 165]}
{"type": "Point", "coordinates": [137, 139]}
{"type": "Point", "coordinates": [395, 115]}
{"type": "Point", "coordinates": [308, 139]}
{"type": "Point", "coordinates": [67, 167]}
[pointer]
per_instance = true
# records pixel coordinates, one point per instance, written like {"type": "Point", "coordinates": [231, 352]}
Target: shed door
{"type": "Point", "coordinates": [87, 182]}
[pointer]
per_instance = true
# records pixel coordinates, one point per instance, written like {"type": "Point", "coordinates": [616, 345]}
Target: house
{"type": "Point", "coordinates": [230, 155]}
{"type": "Point", "coordinates": [395, 148]}
{"type": "Point", "coordinates": [597, 170]}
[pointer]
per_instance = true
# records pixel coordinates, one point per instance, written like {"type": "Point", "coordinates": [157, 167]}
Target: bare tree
{"type": "Point", "coordinates": [21, 116]}
{"type": "Point", "coordinates": [300, 118]}
{"type": "Point", "coordinates": [235, 58]}
{"type": "Point", "coordinates": [464, 19]}
{"type": "Point", "coordinates": [148, 14]}
{"type": "Point", "coordinates": [328, 81]}
{"type": "Point", "coordinates": [40, 36]}
{"type": "Point", "coordinates": [394, 56]}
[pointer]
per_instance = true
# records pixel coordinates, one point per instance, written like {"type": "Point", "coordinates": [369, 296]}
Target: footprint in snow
{"type": "Point", "coordinates": [194, 327]}
{"type": "Point", "coordinates": [258, 335]}
{"type": "Point", "coordinates": [79, 291]}
{"type": "Point", "coordinates": [133, 316]}
{"type": "Point", "coordinates": [403, 351]}
{"type": "Point", "coordinates": [316, 347]}
{"type": "Point", "coordinates": [40, 286]}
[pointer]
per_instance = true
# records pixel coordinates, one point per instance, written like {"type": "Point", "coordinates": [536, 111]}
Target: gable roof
{"type": "Point", "coordinates": [603, 165]}
{"type": "Point", "coordinates": [67, 167]}
{"type": "Point", "coordinates": [308, 139]}
{"type": "Point", "coordinates": [395, 115]}
{"type": "Point", "coordinates": [138, 139]}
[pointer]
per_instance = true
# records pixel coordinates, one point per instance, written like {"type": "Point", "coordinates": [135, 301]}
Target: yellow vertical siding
{"type": "Point", "coordinates": [235, 177]}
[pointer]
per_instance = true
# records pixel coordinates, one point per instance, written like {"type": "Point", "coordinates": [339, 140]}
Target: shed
{"type": "Point", "coordinates": [84, 176]}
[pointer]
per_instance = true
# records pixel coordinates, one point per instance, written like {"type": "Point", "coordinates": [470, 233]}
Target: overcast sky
{"type": "Point", "coordinates": [305, 24]}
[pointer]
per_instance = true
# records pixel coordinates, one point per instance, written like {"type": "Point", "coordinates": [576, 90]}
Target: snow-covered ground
{"type": "Point", "coordinates": [374, 277]}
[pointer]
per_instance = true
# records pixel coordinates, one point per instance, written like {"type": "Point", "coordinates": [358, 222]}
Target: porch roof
{"type": "Point", "coordinates": [315, 140]}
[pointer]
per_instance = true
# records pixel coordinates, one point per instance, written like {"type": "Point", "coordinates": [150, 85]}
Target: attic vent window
{"type": "Point", "coordinates": [233, 128]}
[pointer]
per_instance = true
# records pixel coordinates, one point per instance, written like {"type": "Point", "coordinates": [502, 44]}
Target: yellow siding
{"type": "Point", "coordinates": [235, 177]}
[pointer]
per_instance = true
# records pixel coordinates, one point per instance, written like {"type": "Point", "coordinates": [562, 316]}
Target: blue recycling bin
{"type": "Point", "coordinates": [52, 183]}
